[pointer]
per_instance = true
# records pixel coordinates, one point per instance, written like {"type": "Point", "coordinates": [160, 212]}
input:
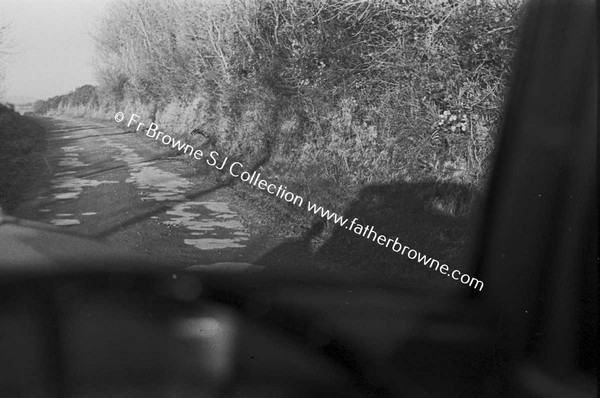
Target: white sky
{"type": "Point", "coordinates": [51, 50]}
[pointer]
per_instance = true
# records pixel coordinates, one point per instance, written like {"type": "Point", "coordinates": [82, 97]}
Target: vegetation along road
{"type": "Point", "coordinates": [109, 183]}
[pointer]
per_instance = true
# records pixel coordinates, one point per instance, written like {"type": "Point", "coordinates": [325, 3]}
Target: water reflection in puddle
{"type": "Point", "coordinates": [210, 225]}
{"type": "Point", "coordinates": [71, 158]}
{"type": "Point", "coordinates": [155, 184]}
{"type": "Point", "coordinates": [159, 185]}
{"type": "Point", "coordinates": [65, 222]}
{"type": "Point", "coordinates": [70, 187]}
{"type": "Point", "coordinates": [212, 220]}
{"type": "Point", "coordinates": [213, 244]}
{"type": "Point", "coordinates": [214, 223]}
{"type": "Point", "coordinates": [62, 221]}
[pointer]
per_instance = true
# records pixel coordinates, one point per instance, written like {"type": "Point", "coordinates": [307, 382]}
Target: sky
{"type": "Point", "coordinates": [51, 49]}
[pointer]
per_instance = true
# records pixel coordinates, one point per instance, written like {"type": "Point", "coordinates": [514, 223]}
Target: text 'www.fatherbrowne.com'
{"type": "Point", "coordinates": [236, 170]}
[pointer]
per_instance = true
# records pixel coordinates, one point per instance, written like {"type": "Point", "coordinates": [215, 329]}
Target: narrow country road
{"type": "Point", "coordinates": [103, 182]}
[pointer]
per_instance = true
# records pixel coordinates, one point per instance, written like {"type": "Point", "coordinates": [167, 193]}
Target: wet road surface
{"type": "Point", "coordinates": [104, 182]}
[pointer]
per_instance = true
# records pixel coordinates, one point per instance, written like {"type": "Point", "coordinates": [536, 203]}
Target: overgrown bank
{"type": "Point", "coordinates": [22, 142]}
{"type": "Point", "coordinates": [327, 96]}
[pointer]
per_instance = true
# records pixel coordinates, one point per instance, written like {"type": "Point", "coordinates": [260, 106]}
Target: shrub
{"type": "Point", "coordinates": [349, 93]}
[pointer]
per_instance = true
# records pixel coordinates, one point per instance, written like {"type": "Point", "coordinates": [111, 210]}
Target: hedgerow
{"type": "Point", "coordinates": [22, 144]}
{"type": "Point", "coordinates": [335, 94]}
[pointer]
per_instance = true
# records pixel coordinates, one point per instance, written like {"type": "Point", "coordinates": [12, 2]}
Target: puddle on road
{"type": "Point", "coordinates": [65, 186]}
{"type": "Point", "coordinates": [186, 214]}
{"type": "Point", "coordinates": [210, 225]}
{"type": "Point", "coordinates": [159, 185]}
{"type": "Point", "coordinates": [213, 220]}
{"type": "Point", "coordinates": [70, 187]}
{"type": "Point", "coordinates": [213, 244]}
{"type": "Point", "coordinates": [65, 222]}
{"type": "Point", "coordinates": [154, 183]}
{"type": "Point", "coordinates": [71, 158]}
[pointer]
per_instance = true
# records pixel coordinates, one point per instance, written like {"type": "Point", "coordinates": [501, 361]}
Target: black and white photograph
{"type": "Point", "coordinates": [299, 198]}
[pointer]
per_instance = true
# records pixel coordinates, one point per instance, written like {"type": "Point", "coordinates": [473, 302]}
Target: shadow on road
{"type": "Point", "coordinates": [432, 218]}
{"type": "Point", "coordinates": [156, 209]}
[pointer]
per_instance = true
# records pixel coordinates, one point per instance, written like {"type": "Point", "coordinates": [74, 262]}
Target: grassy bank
{"type": "Point", "coordinates": [21, 144]}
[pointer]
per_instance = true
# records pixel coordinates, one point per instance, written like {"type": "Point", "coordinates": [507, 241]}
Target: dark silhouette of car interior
{"type": "Point", "coordinates": [79, 319]}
